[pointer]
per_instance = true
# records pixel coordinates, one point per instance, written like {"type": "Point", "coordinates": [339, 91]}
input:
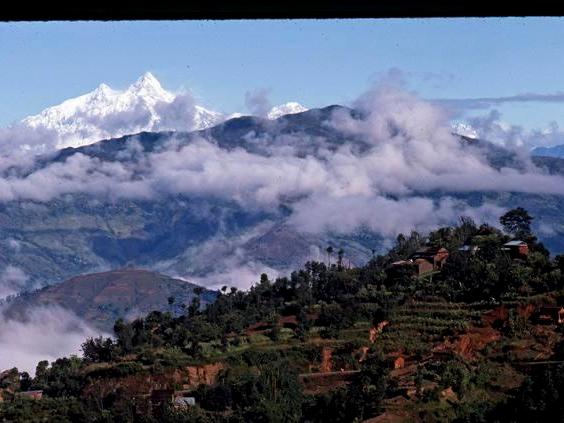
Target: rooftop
{"type": "Point", "coordinates": [430, 250]}
{"type": "Point", "coordinates": [514, 243]}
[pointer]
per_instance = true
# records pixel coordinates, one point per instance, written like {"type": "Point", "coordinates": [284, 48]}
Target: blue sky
{"type": "Point", "coordinates": [315, 62]}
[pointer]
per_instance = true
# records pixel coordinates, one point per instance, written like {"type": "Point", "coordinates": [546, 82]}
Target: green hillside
{"type": "Point", "coordinates": [475, 339]}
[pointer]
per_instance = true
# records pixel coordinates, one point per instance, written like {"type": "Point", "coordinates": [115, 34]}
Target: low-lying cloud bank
{"type": "Point", "coordinates": [411, 154]}
{"type": "Point", "coordinates": [492, 127]}
{"type": "Point", "coordinates": [384, 216]}
{"type": "Point", "coordinates": [241, 276]}
{"type": "Point", "coordinates": [12, 281]}
{"type": "Point", "coordinates": [48, 333]}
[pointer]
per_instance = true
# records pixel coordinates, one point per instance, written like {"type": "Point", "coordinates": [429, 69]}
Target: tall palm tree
{"type": "Point", "coordinates": [340, 254]}
{"type": "Point", "coordinates": [329, 252]}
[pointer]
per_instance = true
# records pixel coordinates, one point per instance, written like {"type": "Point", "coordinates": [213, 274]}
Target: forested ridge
{"type": "Point", "coordinates": [462, 342]}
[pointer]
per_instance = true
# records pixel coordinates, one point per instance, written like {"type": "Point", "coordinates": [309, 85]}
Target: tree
{"type": "Point", "coordinates": [303, 326]}
{"type": "Point", "coordinates": [455, 374]}
{"type": "Point", "coordinates": [329, 252]}
{"type": "Point", "coordinates": [517, 222]}
{"type": "Point", "coordinates": [171, 301]}
{"type": "Point", "coordinates": [466, 229]}
{"type": "Point", "coordinates": [124, 334]}
{"type": "Point", "coordinates": [340, 254]}
{"type": "Point", "coordinates": [99, 349]}
{"type": "Point", "coordinates": [274, 333]}
{"type": "Point", "coordinates": [25, 381]}
{"type": "Point", "coordinates": [194, 307]}
{"type": "Point", "coordinates": [41, 372]}
{"type": "Point", "coordinates": [368, 388]}
{"type": "Point", "coordinates": [10, 379]}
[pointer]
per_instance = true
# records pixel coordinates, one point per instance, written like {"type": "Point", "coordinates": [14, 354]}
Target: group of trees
{"type": "Point", "coordinates": [483, 271]}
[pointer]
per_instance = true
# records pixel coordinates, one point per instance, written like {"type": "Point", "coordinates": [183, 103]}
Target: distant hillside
{"type": "Point", "coordinates": [101, 298]}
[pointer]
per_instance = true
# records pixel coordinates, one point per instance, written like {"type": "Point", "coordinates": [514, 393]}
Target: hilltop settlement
{"type": "Point", "coordinates": [464, 324]}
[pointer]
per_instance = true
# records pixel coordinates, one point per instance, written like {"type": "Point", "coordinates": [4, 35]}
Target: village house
{"type": "Point", "coordinates": [36, 395]}
{"type": "Point", "coordinates": [517, 249]}
{"type": "Point", "coordinates": [395, 268]}
{"type": "Point", "coordinates": [424, 260]}
{"type": "Point", "coordinates": [397, 362]}
{"type": "Point", "coordinates": [161, 398]}
{"type": "Point", "coordinates": [549, 314]}
{"type": "Point", "coordinates": [184, 402]}
{"type": "Point", "coordinates": [435, 256]}
{"type": "Point", "coordinates": [423, 266]}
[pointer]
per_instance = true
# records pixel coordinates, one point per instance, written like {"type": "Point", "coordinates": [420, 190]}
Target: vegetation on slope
{"type": "Point", "coordinates": [328, 343]}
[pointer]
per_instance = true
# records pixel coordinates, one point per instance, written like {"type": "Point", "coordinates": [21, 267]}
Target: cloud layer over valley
{"type": "Point", "coordinates": [47, 334]}
{"type": "Point", "coordinates": [409, 153]}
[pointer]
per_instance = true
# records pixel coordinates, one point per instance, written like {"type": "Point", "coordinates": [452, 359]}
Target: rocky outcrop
{"type": "Point", "coordinates": [206, 374]}
{"type": "Point", "coordinates": [469, 343]}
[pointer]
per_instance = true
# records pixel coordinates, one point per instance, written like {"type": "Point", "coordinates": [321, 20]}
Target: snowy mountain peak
{"type": "Point", "coordinates": [107, 113]}
{"type": "Point", "coordinates": [148, 86]}
{"type": "Point", "coordinates": [147, 79]}
{"type": "Point", "coordinates": [286, 109]}
{"type": "Point", "coordinates": [103, 91]}
{"type": "Point", "coordinates": [103, 88]}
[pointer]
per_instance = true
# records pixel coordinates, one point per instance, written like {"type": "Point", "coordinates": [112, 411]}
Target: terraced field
{"type": "Point", "coordinates": [414, 327]}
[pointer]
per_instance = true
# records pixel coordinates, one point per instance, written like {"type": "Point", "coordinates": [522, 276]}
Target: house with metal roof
{"type": "Point", "coordinates": [516, 248]}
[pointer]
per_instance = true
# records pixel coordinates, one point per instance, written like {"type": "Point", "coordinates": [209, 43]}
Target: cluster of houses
{"type": "Point", "coordinates": [424, 260]}
{"type": "Point", "coordinates": [430, 259]}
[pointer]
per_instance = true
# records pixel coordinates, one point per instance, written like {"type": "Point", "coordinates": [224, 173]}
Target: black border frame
{"type": "Point", "coordinates": [104, 10]}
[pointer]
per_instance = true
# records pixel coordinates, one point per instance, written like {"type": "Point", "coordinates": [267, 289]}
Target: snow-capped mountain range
{"type": "Point", "coordinates": [143, 106]}
{"type": "Point", "coordinates": [286, 109]}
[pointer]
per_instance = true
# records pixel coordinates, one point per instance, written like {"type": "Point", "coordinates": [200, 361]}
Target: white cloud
{"type": "Point", "coordinates": [48, 333]}
{"type": "Point", "coordinates": [382, 215]}
{"type": "Point", "coordinates": [12, 281]}
{"type": "Point", "coordinates": [257, 102]}
{"type": "Point", "coordinates": [241, 276]}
